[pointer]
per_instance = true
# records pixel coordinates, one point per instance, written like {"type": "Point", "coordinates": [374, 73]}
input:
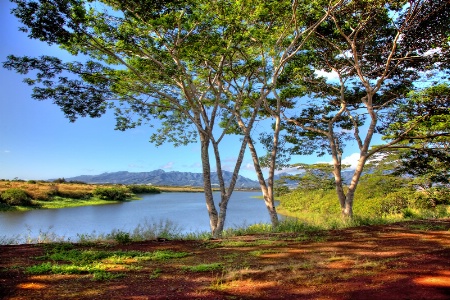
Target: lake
{"type": "Point", "coordinates": [186, 210]}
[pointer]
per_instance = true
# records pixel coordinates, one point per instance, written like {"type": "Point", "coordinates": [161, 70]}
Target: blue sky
{"type": "Point", "coordinates": [38, 142]}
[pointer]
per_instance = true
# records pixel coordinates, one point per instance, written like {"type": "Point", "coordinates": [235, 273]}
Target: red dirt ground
{"type": "Point", "coordinates": [400, 261]}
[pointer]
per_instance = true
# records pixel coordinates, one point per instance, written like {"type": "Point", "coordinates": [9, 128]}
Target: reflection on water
{"type": "Point", "coordinates": [186, 210]}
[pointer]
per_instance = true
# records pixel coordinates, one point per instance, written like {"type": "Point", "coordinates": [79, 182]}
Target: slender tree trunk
{"type": "Point", "coordinates": [217, 233]}
{"type": "Point", "coordinates": [268, 197]}
{"type": "Point", "coordinates": [226, 192]}
{"type": "Point", "coordinates": [212, 211]}
{"type": "Point", "coordinates": [347, 208]}
{"type": "Point", "coordinates": [272, 166]}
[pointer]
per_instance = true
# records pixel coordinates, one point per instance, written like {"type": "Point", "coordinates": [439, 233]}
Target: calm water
{"type": "Point", "coordinates": [186, 210]}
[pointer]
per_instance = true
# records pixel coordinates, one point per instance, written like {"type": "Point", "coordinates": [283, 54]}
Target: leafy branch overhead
{"type": "Point", "coordinates": [328, 73]}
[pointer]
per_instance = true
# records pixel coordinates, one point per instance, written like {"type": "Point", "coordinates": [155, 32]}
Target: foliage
{"type": "Point", "coordinates": [424, 153]}
{"type": "Point", "coordinates": [112, 193]}
{"type": "Point", "coordinates": [373, 53]}
{"type": "Point", "coordinates": [280, 188]}
{"type": "Point", "coordinates": [310, 201]}
{"type": "Point", "coordinates": [199, 70]}
{"type": "Point", "coordinates": [15, 196]}
{"type": "Point", "coordinates": [313, 176]}
{"type": "Point", "coordinates": [120, 237]}
{"type": "Point", "coordinates": [153, 230]}
{"type": "Point", "coordinates": [59, 180]}
{"type": "Point", "coordinates": [143, 189]}
{"type": "Point", "coordinates": [379, 195]}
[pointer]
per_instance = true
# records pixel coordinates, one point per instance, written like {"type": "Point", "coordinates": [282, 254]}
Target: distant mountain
{"type": "Point", "coordinates": [174, 178]}
{"type": "Point", "coordinates": [161, 177]}
{"type": "Point", "coordinates": [346, 178]}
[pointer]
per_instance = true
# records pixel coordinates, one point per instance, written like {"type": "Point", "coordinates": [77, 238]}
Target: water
{"type": "Point", "coordinates": [186, 210]}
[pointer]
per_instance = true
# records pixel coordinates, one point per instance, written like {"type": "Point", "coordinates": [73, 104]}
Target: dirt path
{"type": "Point", "coordinates": [401, 261]}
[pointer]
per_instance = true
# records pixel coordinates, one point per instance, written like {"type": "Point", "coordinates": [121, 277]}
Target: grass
{"type": "Point", "coordinates": [426, 227]}
{"type": "Point", "coordinates": [221, 265]}
{"type": "Point", "coordinates": [204, 267]}
{"type": "Point", "coordinates": [63, 258]}
{"type": "Point", "coordinates": [156, 273]}
{"type": "Point", "coordinates": [263, 252]}
{"type": "Point", "coordinates": [242, 244]}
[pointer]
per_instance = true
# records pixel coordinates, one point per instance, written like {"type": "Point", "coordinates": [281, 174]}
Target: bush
{"type": "Point", "coordinates": [15, 196]}
{"type": "Point", "coordinates": [143, 189]}
{"type": "Point", "coordinates": [396, 202]}
{"type": "Point", "coordinates": [121, 237]}
{"type": "Point", "coordinates": [59, 180]}
{"type": "Point", "coordinates": [74, 194]}
{"type": "Point", "coordinates": [113, 193]}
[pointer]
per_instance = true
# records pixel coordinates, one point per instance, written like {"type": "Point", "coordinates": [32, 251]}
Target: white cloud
{"type": "Point", "coordinates": [328, 75]}
{"type": "Point", "coordinates": [169, 166]}
{"type": "Point", "coordinates": [351, 160]}
{"type": "Point", "coordinates": [290, 170]}
{"type": "Point", "coordinates": [249, 166]}
{"type": "Point", "coordinates": [6, 151]}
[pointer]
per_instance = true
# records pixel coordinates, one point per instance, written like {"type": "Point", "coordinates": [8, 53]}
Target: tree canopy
{"type": "Point", "coordinates": [377, 52]}
{"type": "Point", "coordinates": [200, 70]}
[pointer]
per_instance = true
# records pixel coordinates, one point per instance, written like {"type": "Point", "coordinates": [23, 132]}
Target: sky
{"type": "Point", "coordinates": [38, 142]}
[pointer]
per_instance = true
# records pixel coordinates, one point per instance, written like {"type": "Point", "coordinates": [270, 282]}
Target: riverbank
{"type": "Point", "coordinates": [407, 260]}
{"type": "Point", "coordinates": [50, 195]}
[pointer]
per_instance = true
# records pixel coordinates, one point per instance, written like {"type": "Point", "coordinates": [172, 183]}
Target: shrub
{"type": "Point", "coordinates": [121, 237]}
{"type": "Point", "coordinates": [59, 180]}
{"type": "Point", "coordinates": [74, 194]}
{"type": "Point", "coordinates": [113, 193]}
{"type": "Point", "coordinates": [14, 196]}
{"type": "Point", "coordinates": [143, 189]}
{"type": "Point", "coordinates": [395, 202]}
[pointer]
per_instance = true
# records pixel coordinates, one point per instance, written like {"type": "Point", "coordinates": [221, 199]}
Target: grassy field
{"type": "Point", "coordinates": [407, 260]}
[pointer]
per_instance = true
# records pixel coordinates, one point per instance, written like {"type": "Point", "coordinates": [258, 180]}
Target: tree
{"type": "Point", "coordinates": [150, 60]}
{"type": "Point", "coordinates": [313, 177]}
{"type": "Point", "coordinates": [424, 119]}
{"type": "Point", "coordinates": [377, 51]}
{"type": "Point", "coordinates": [277, 49]}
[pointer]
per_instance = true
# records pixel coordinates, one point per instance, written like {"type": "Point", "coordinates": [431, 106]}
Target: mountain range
{"type": "Point", "coordinates": [161, 177]}
{"type": "Point", "coordinates": [175, 178]}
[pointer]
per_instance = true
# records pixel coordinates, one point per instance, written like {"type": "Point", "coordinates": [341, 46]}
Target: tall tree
{"type": "Point", "coordinates": [147, 60]}
{"type": "Point", "coordinates": [376, 50]}
{"type": "Point", "coordinates": [293, 22]}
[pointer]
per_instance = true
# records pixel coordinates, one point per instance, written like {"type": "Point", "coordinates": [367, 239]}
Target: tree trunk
{"type": "Point", "coordinates": [225, 193]}
{"type": "Point", "coordinates": [347, 208]}
{"type": "Point", "coordinates": [268, 196]}
{"type": "Point", "coordinates": [212, 212]}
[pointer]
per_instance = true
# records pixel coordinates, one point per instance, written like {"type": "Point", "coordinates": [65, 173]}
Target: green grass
{"type": "Point", "coordinates": [64, 253]}
{"type": "Point", "coordinates": [204, 267]}
{"type": "Point", "coordinates": [426, 227]}
{"type": "Point", "coordinates": [64, 259]}
{"type": "Point", "coordinates": [60, 202]}
{"type": "Point", "coordinates": [265, 251]}
{"type": "Point", "coordinates": [155, 274]}
{"type": "Point", "coordinates": [242, 244]}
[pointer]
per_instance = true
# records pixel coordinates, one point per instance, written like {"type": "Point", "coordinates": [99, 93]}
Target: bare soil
{"type": "Point", "coordinates": [408, 260]}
